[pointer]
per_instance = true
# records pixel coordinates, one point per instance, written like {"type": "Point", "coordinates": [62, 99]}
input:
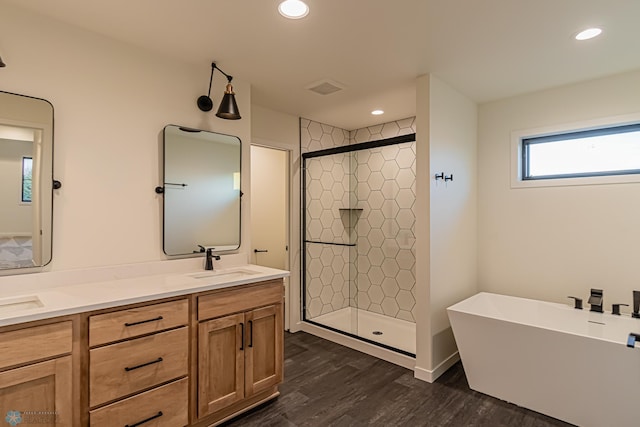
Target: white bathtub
{"type": "Point", "coordinates": [570, 364]}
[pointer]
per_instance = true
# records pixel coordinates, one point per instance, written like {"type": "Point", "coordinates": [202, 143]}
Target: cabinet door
{"type": "Point", "coordinates": [220, 363]}
{"type": "Point", "coordinates": [264, 350]}
{"type": "Point", "coordinates": [38, 394]}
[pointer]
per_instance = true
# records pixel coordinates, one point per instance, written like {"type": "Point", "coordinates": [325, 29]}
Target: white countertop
{"type": "Point", "coordinates": [62, 300]}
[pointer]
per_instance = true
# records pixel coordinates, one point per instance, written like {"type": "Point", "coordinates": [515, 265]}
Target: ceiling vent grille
{"type": "Point", "coordinates": [325, 87]}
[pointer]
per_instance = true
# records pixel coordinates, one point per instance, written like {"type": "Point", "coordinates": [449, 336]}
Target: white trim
{"type": "Point", "coordinates": [10, 234]}
{"type": "Point", "coordinates": [432, 375]}
{"type": "Point", "coordinates": [516, 153]}
{"type": "Point", "coordinates": [273, 144]}
{"type": "Point", "coordinates": [362, 346]}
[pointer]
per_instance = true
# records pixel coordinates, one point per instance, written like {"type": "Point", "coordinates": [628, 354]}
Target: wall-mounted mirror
{"type": "Point", "coordinates": [201, 191]}
{"type": "Point", "coordinates": [26, 174]}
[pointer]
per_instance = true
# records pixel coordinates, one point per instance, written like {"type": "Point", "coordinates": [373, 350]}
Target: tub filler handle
{"type": "Point", "coordinates": [577, 303]}
{"type": "Point", "coordinates": [615, 308]}
{"type": "Point", "coordinates": [631, 341]}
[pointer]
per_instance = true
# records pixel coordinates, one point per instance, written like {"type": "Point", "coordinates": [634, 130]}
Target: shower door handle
{"type": "Point", "coordinates": [260, 250]}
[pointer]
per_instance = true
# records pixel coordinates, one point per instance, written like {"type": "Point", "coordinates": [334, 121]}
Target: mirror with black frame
{"type": "Point", "coordinates": [201, 191]}
{"type": "Point", "coordinates": [26, 174]}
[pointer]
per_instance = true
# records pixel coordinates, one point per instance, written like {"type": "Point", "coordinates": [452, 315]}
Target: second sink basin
{"type": "Point", "coordinates": [23, 302]}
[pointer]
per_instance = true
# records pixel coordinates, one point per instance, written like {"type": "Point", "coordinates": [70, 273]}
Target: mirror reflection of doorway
{"type": "Point", "coordinates": [270, 211]}
{"type": "Point", "coordinates": [19, 246]}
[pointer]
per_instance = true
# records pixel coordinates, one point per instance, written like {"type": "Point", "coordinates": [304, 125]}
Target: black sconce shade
{"type": "Point", "coordinates": [228, 107]}
{"type": "Point", "coordinates": [2, 64]}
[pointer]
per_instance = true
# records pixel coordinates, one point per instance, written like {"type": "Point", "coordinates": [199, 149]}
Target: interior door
{"type": "Point", "coordinates": [270, 211]}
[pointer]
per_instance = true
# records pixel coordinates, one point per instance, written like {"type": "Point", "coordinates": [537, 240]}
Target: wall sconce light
{"type": "Point", "coordinates": [2, 64]}
{"type": "Point", "coordinates": [228, 108]}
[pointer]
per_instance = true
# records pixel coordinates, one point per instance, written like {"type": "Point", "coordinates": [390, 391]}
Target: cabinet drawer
{"type": "Point", "coordinates": [240, 299]}
{"type": "Point", "coordinates": [34, 343]}
{"type": "Point", "coordinates": [133, 322]}
{"type": "Point", "coordinates": [120, 369]}
{"type": "Point", "coordinates": [165, 406]}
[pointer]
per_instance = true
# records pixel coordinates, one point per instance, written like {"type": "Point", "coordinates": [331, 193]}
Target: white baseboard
{"type": "Point", "coordinates": [432, 375]}
{"type": "Point", "coordinates": [295, 327]}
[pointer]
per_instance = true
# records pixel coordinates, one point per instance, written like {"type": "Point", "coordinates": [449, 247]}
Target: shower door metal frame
{"type": "Point", "coordinates": [303, 224]}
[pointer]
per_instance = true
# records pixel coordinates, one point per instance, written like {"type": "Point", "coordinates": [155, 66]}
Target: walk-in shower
{"type": "Point", "coordinates": [358, 231]}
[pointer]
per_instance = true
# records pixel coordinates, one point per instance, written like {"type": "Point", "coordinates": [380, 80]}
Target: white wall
{"type": "Point", "coordinates": [452, 210]}
{"type": "Point", "coordinates": [548, 243]}
{"type": "Point", "coordinates": [271, 125]}
{"type": "Point", "coordinates": [111, 102]}
{"type": "Point", "coordinates": [453, 146]}
{"type": "Point", "coordinates": [423, 230]}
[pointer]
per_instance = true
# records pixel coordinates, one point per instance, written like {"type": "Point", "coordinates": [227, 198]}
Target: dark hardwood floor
{"type": "Point", "coordinates": [327, 384]}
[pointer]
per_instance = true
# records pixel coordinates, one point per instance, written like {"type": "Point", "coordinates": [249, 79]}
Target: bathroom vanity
{"type": "Point", "coordinates": [171, 349]}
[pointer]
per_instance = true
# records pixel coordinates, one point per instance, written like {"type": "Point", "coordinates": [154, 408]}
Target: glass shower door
{"type": "Point", "coordinates": [359, 258]}
{"type": "Point", "coordinates": [328, 245]}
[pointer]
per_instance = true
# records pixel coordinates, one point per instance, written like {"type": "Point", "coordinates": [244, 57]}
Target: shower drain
{"type": "Point", "coordinates": [377, 332]}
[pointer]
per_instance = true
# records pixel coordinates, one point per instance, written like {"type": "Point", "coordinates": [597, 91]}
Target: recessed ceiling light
{"type": "Point", "coordinates": [589, 33]}
{"type": "Point", "coordinates": [293, 9]}
{"type": "Point", "coordinates": [377, 112]}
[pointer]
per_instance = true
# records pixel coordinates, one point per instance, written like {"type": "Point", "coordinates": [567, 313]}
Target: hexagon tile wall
{"type": "Point", "coordinates": [378, 273]}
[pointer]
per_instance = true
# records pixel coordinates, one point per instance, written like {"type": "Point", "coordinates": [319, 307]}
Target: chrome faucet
{"type": "Point", "coordinates": [596, 300]}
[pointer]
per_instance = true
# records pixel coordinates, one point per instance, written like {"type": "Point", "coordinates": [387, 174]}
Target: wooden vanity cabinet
{"type": "Point", "coordinates": [240, 349]}
{"type": "Point", "coordinates": [139, 365]}
{"type": "Point", "coordinates": [196, 360]}
{"type": "Point", "coordinates": [36, 378]}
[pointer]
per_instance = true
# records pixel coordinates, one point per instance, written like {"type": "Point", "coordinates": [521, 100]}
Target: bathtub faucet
{"type": "Point", "coordinates": [577, 303]}
{"type": "Point", "coordinates": [596, 299]}
{"type": "Point", "coordinates": [636, 305]}
{"type": "Point", "coordinates": [631, 341]}
{"type": "Point", "coordinates": [615, 308]}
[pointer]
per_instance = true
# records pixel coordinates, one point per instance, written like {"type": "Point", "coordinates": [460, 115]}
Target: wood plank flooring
{"type": "Point", "coordinates": [327, 384]}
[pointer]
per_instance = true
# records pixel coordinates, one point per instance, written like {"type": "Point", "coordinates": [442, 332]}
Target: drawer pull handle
{"type": "Point", "coordinates": [139, 423]}
{"type": "Point", "coordinates": [155, 319]}
{"type": "Point", "coordinates": [242, 338]}
{"type": "Point", "coordinates": [251, 333]}
{"type": "Point", "coordinates": [158, 360]}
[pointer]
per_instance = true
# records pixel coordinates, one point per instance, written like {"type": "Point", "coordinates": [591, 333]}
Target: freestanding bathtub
{"type": "Point", "coordinates": [573, 365]}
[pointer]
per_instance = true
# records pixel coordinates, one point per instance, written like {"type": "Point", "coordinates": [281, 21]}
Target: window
{"type": "Point", "coordinates": [613, 150]}
{"type": "Point", "coordinates": [27, 165]}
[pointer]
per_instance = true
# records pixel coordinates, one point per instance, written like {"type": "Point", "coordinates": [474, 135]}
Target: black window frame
{"type": "Point", "coordinates": [23, 180]}
{"type": "Point", "coordinates": [526, 142]}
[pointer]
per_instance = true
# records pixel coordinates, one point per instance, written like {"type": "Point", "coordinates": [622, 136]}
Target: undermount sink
{"type": "Point", "coordinates": [224, 275]}
{"type": "Point", "coordinates": [8, 305]}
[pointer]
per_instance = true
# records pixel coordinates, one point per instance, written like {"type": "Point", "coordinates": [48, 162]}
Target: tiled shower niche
{"type": "Point", "coordinates": [363, 202]}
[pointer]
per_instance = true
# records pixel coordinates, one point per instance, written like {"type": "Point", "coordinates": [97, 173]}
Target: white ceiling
{"type": "Point", "coordinates": [486, 49]}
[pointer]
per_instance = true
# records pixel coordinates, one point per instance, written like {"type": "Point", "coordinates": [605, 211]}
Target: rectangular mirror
{"type": "Point", "coordinates": [201, 191]}
{"type": "Point", "coordinates": [26, 173]}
